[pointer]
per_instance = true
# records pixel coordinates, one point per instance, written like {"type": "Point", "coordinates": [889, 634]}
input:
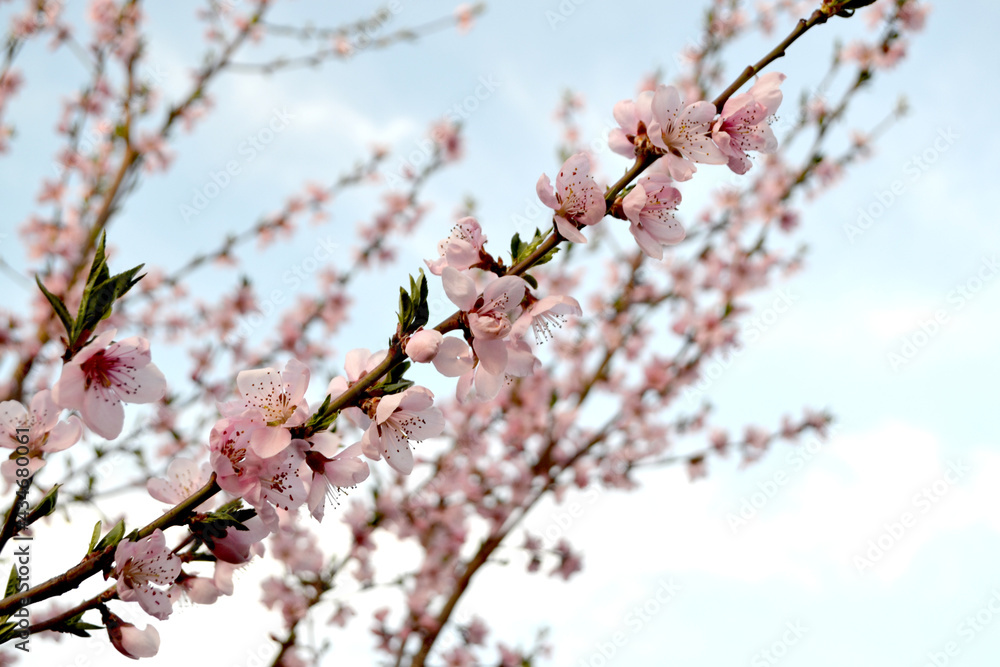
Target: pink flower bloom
{"type": "Point", "coordinates": [454, 357]}
{"type": "Point", "coordinates": [682, 131]}
{"type": "Point", "coordinates": [577, 200]}
{"type": "Point", "coordinates": [331, 471]}
{"type": "Point", "coordinates": [649, 208]}
{"type": "Point", "coordinates": [399, 418]}
{"type": "Point", "coordinates": [279, 397]}
{"type": "Point", "coordinates": [464, 16]}
{"type": "Point", "coordinates": [357, 363]}
{"type": "Point", "coordinates": [742, 126]}
{"type": "Point", "coordinates": [265, 483]}
{"type": "Point", "coordinates": [129, 640]}
{"type": "Point", "coordinates": [462, 249]}
{"type": "Point", "coordinates": [230, 455]}
{"type": "Point", "coordinates": [140, 564]}
{"type": "Point", "coordinates": [544, 314]}
{"type": "Point", "coordinates": [633, 118]}
{"type": "Point", "coordinates": [423, 345]}
{"type": "Point", "coordinates": [199, 590]}
{"type": "Point", "coordinates": [484, 384]}
{"type": "Point", "coordinates": [45, 433]}
{"type": "Point", "coordinates": [280, 485]}
{"type": "Point", "coordinates": [184, 477]}
{"type": "Point", "coordinates": [235, 547]}
{"type": "Point", "coordinates": [104, 374]}
{"type": "Point", "coordinates": [489, 322]}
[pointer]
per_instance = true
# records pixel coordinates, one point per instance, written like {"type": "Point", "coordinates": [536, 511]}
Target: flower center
{"type": "Point", "coordinates": [98, 369]}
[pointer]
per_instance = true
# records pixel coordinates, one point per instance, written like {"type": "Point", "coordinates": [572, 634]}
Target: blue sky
{"type": "Point", "coordinates": [914, 457]}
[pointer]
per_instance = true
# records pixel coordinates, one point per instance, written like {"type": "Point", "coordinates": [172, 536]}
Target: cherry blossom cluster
{"type": "Point", "coordinates": [273, 451]}
{"type": "Point", "coordinates": [95, 383]}
{"type": "Point", "coordinates": [496, 314]}
{"type": "Point", "coordinates": [261, 452]}
{"type": "Point", "coordinates": [659, 125]}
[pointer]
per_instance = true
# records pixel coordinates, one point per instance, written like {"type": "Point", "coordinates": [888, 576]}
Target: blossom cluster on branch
{"type": "Point", "coordinates": [256, 451]}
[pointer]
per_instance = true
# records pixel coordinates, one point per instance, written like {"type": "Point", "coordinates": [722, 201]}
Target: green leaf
{"type": "Point", "coordinates": [76, 626]}
{"type": "Point", "coordinates": [8, 631]}
{"type": "Point", "coordinates": [101, 292]}
{"type": "Point", "coordinates": [530, 279]}
{"type": "Point", "coordinates": [96, 535]}
{"type": "Point", "coordinates": [394, 382]}
{"type": "Point", "coordinates": [11, 582]}
{"type": "Point", "coordinates": [113, 537]}
{"type": "Point", "coordinates": [45, 506]}
{"type": "Point", "coordinates": [419, 291]}
{"type": "Point", "coordinates": [413, 309]}
{"type": "Point", "coordinates": [515, 247]}
{"type": "Point", "coordinates": [99, 268]}
{"type": "Point", "coordinates": [59, 307]}
{"type": "Point", "coordinates": [321, 421]}
{"type": "Point", "coordinates": [396, 387]}
{"type": "Point", "coordinates": [215, 524]}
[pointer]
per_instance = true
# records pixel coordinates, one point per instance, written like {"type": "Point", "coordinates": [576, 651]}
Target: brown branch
{"type": "Point", "coordinates": [98, 560]}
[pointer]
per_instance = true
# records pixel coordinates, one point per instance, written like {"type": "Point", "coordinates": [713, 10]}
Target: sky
{"type": "Point", "coordinates": [877, 546]}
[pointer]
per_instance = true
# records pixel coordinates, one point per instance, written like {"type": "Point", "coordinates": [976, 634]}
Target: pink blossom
{"type": "Point", "coordinates": [682, 132]}
{"type": "Point", "coordinates": [464, 16]}
{"type": "Point", "coordinates": [291, 601]}
{"type": "Point", "coordinates": [280, 399]}
{"type": "Point", "coordinates": [423, 345]}
{"type": "Point", "coordinates": [633, 119]}
{"type": "Point", "coordinates": [331, 470]}
{"type": "Point", "coordinates": [297, 548]}
{"type": "Point", "coordinates": [357, 363]}
{"type": "Point", "coordinates": [545, 314]}
{"type": "Point", "coordinates": [454, 357]}
{"type": "Point", "coordinates": [399, 418]}
{"type": "Point", "coordinates": [231, 457]}
{"type": "Point", "coordinates": [485, 383]}
{"type": "Point", "coordinates": [129, 640]}
{"type": "Point", "coordinates": [649, 208]}
{"type": "Point", "coordinates": [45, 433]}
{"type": "Point", "coordinates": [140, 564]}
{"type": "Point", "coordinates": [577, 201]}
{"type": "Point", "coordinates": [265, 483]}
{"type": "Point", "coordinates": [199, 590]}
{"type": "Point", "coordinates": [235, 547]}
{"type": "Point", "coordinates": [462, 249]}
{"type": "Point", "coordinates": [103, 375]}
{"type": "Point", "coordinates": [742, 125]}
{"type": "Point", "coordinates": [913, 15]}
{"type": "Point", "coordinates": [490, 321]}
{"type": "Point", "coordinates": [183, 478]}
{"type": "Point", "coordinates": [448, 138]}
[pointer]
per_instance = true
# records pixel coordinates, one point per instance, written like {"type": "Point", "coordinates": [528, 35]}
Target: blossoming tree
{"type": "Point", "coordinates": [247, 465]}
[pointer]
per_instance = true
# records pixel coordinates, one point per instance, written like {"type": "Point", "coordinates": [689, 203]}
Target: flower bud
{"type": "Point", "coordinates": [423, 346]}
{"type": "Point", "coordinates": [128, 639]}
